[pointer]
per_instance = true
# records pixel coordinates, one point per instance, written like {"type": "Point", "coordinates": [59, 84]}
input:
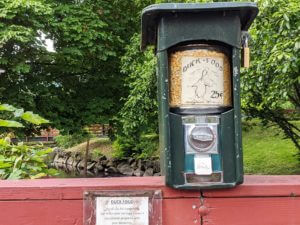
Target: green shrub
{"type": "Point", "coordinates": [96, 153]}
{"type": "Point", "coordinates": [146, 146]}
{"type": "Point", "coordinates": [21, 161]}
{"type": "Point", "coordinates": [122, 147]}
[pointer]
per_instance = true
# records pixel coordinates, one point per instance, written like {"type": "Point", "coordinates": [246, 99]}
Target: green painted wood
{"type": "Point", "coordinates": [237, 114]}
{"type": "Point", "coordinates": [163, 108]}
{"type": "Point", "coordinates": [227, 146]}
{"type": "Point", "coordinates": [177, 150]}
{"type": "Point", "coordinates": [151, 15]}
{"type": "Point", "coordinates": [175, 29]}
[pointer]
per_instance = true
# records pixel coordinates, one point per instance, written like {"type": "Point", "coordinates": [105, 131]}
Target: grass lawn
{"type": "Point", "coordinates": [266, 152]}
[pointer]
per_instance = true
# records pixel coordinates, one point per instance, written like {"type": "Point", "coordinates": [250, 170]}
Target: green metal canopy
{"type": "Point", "coordinates": [151, 15]}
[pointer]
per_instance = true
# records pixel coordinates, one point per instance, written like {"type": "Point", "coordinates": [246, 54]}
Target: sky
{"type": "Point", "coordinates": [48, 43]}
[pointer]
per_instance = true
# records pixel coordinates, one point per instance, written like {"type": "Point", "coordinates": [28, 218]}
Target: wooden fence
{"type": "Point", "coordinates": [261, 200]}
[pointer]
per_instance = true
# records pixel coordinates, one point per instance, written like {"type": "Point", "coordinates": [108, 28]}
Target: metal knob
{"type": "Point", "coordinates": [201, 138]}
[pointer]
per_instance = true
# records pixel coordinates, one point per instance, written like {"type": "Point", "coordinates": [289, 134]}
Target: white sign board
{"type": "Point", "coordinates": [122, 211]}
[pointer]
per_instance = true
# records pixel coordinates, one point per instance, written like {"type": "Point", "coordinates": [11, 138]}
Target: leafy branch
{"type": "Point", "coordinates": [19, 113]}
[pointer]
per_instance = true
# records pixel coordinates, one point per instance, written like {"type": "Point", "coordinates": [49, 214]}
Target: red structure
{"type": "Point", "coordinates": [51, 132]}
{"type": "Point", "coordinates": [261, 200]}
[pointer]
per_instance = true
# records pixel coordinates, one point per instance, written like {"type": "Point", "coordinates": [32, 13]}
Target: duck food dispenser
{"type": "Point", "coordinates": [198, 50]}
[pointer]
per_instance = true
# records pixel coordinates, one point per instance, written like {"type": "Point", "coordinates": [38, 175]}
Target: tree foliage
{"type": "Point", "coordinates": [79, 83]}
{"type": "Point", "coordinates": [140, 109]}
{"type": "Point", "coordinates": [273, 83]}
{"type": "Point", "coordinates": [19, 114]}
{"type": "Point", "coordinates": [139, 115]}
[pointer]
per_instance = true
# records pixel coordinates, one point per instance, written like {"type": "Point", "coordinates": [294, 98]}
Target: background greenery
{"type": "Point", "coordinates": [273, 83]}
{"type": "Point", "coordinates": [272, 154]}
{"type": "Point", "coordinates": [97, 73]}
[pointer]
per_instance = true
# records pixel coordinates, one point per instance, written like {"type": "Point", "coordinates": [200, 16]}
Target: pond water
{"type": "Point", "coordinates": [80, 174]}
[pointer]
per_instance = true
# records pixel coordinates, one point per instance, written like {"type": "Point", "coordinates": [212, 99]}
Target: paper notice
{"type": "Point", "coordinates": [122, 211]}
{"type": "Point", "coordinates": [203, 164]}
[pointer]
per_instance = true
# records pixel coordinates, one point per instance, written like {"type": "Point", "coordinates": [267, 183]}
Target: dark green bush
{"type": "Point", "coordinates": [146, 146]}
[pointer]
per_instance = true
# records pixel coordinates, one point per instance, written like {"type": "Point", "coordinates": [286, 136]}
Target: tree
{"type": "Point", "coordinates": [139, 115]}
{"type": "Point", "coordinates": [80, 82]}
{"type": "Point", "coordinates": [273, 80]}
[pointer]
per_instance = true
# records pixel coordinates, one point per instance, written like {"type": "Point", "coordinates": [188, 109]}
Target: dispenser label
{"type": "Point", "coordinates": [202, 80]}
{"type": "Point", "coordinates": [203, 164]}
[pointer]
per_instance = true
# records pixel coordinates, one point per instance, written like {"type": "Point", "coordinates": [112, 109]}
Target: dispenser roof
{"type": "Point", "coordinates": [151, 15]}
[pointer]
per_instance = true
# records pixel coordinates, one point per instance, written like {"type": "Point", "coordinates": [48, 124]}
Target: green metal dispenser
{"type": "Point", "coordinates": [198, 50]}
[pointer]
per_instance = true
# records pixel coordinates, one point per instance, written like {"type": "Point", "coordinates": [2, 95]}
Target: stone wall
{"type": "Point", "coordinates": [103, 166]}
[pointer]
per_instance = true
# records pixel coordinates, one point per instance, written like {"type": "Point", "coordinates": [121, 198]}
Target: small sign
{"type": "Point", "coordinates": [203, 164]}
{"type": "Point", "coordinates": [122, 210]}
